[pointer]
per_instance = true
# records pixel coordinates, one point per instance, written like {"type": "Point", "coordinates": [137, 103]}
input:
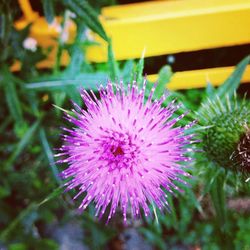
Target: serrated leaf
{"type": "Point", "coordinates": [48, 9]}
{"type": "Point", "coordinates": [88, 15]}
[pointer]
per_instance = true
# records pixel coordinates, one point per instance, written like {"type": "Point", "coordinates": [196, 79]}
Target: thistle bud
{"type": "Point", "coordinates": [226, 141]}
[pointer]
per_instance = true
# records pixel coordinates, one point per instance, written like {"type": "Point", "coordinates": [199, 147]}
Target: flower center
{"type": "Point", "coordinates": [118, 150]}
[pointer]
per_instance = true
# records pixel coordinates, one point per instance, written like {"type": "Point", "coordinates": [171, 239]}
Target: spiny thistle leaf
{"type": "Point", "coordinates": [87, 14]}
{"type": "Point", "coordinates": [233, 81]}
{"type": "Point", "coordinates": [227, 89]}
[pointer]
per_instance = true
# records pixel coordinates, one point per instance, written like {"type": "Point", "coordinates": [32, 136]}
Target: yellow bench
{"type": "Point", "coordinates": [161, 27]}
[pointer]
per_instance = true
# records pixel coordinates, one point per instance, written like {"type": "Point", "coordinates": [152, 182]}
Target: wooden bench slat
{"type": "Point", "coordinates": [168, 27]}
{"type": "Point", "coordinates": [200, 78]}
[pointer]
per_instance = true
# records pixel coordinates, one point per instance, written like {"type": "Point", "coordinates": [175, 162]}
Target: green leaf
{"type": "Point", "coordinates": [12, 99]}
{"type": "Point", "coordinates": [51, 196]}
{"type": "Point", "coordinates": [127, 70]}
{"type": "Point", "coordinates": [4, 234]}
{"type": "Point", "coordinates": [57, 64]}
{"type": "Point", "coordinates": [44, 243]}
{"type": "Point", "coordinates": [59, 98]}
{"type": "Point", "coordinates": [85, 80]}
{"type": "Point", "coordinates": [63, 110]}
{"type": "Point", "coordinates": [49, 154]}
{"type": "Point", "coordinates": [6, 20]}
{"type": "Point", "coordinates": [226, 90]}
{"type": "Point", "coordinates": [218, 197]}
{"type": "Point", "coordinates": [48, 9]}
{"type": "Point", "coordinates": [88, 15]}
{"type": "Point", "coordinates": [153, 238]}
{"type": "Point", "coordinates": [34, 102]}
{"type": "Point", "coordinates": [113, 67]}
{"type": "Point", "coordinates": [139, 69]}
{"type": "Point", "coordinates": [211, 176]}
{"type": "Point", "coordinates": [5, 123]}
{"type": "Point", "coordinates": [17, 246]}
{"type": "Point", "coordinates": [210, 90]}
{"type": "Point", "coordinates": [23, 143]}
{"type": "Point", "coordinates": [174, 218]}
{"type": "Point", "coordinates": [33, 206]}
{"type": "Point", "coordinates": [224, 93]}
{"type": "Point", "coordinates": [163, 78]}
{"type": "Point", "coordinates": [80, 32]}
{"type": "Point", "coordinates": [232, 83]}
{"type": "Point", "coordinates": [76, 60]}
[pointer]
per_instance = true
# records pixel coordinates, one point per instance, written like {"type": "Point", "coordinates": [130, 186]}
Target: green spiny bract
{"type": "Point", "coordinates": [227, 125]}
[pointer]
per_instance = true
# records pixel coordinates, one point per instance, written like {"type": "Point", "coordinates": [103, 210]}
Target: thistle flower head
{"type": "Point", "coordinates": [124, 151]}
{"type": "Point", "coordinates": [227, 123]}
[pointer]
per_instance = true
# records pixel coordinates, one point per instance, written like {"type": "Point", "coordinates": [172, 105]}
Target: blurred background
{"type": "Point", "coordinates": [51, 48]}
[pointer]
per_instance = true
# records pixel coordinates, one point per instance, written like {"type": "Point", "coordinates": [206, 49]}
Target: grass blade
{"type": "Point", "coordinates": [33, 206]}
{"type": "Point", "coordinates": [24, 142]}
{"type": "Point", "coordinates": [49, 154]}
{"type": "Point", "coordinates": [51, 196]}
{"type": "Point", "coordinates": [12, 99]}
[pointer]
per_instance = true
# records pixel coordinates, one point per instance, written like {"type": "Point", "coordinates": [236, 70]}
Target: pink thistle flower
{"type": "Point", "coordinates": [124, 151]}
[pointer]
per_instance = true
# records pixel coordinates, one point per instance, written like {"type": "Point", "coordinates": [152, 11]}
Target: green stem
{"type": "Point", "coordinates": [218, 197]}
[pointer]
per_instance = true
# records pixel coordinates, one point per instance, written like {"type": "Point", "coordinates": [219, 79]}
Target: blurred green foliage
{"type": "Point", "coordinates": [30, 199]}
